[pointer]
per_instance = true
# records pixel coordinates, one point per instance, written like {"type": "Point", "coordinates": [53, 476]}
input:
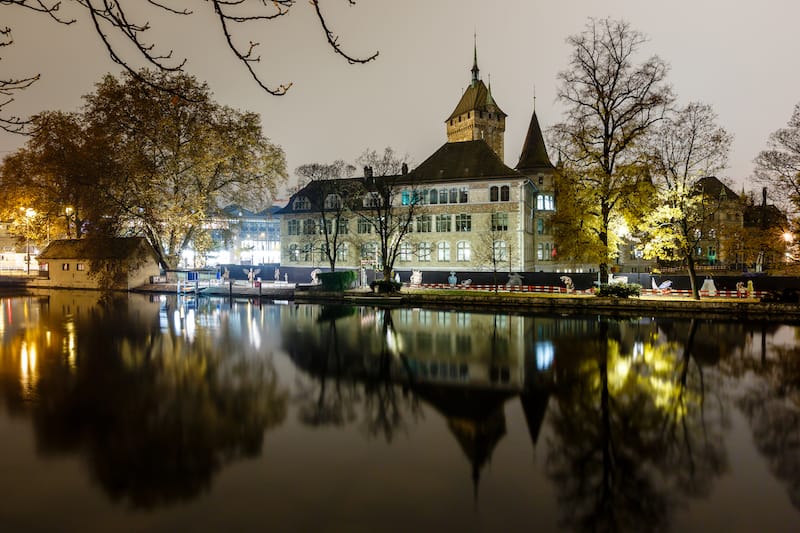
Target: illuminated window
{"type": "Point", "coordinates": [443, 251]}
{"type": "Point", "coordinates": [405, 252]}
{"type": "Point", "coordinates": [80, 267]}
{"type": "Point", "coordinates": [463, 251]}
{"type": "Point", "coordinates": [424, 251]}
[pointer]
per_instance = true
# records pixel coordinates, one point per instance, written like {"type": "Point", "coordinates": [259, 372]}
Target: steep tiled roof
{"type": "Point", "coordinates": [468, 159]}
{"type": "Point", "coordinates": [476, 98]}
{"type": "Point", "coordinates": [712, 186]}
{"type": "Point", "coordinates": [534, 152]}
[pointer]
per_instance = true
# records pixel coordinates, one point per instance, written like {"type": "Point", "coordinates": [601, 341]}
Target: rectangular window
{"type": "Point", "coordinates": [463, 222]}
{"type": "Point", "coordinates": [443, 251]}
{"type": "Point", "coordinates": [500, 250]}
{"type": "Point", "coordinates": [453, 196]}
{"type": "Point", "coordinates": [540, 251]}
{"type": "Point", "coordinates": [327, 224]}
{"type": "Point", "coordinates": [540, 226]}
{"type": "Point", "coordinates": [341, 252]}
{"type": "Point", "coordinates": [65, 266]}
{"type": "Point", "coordinates": [364, 226]}
{"type": "Point", "coordinates": [463, 251]}
{"type": "Point", "coordinates": [80, 267]}
{"type": "Point", "coordinates": [544, 202]}
{"type": "Point", "coordinates": [368, 250]}
{"type": "Point", "coordinates": [434, 196]}
{"type": "Point", "coordinates": [442, 196]}
{"type": "Point", "coordinates": [309, 227]}
{"type": "Point", "coordinates": [293, 227]}
{"type": "Point", "coordinates": [424, 251]}
{"type": "Point", "coordinates": [405, 198]}
{"type": "Point", "coordinates": [424, 224]}
{"type": "Point", "coordinates": [443, 223]}
{"type": "Point", "coordinates": [405, 252]}
{"type": "Point", "coordinates": [463, 195]}
{"type": "Point", "coordinates": [308, 251]}
{"type": "Point", "coordinates": [499, 221]}
{"type": "Point", "coordinates": [343, 227]}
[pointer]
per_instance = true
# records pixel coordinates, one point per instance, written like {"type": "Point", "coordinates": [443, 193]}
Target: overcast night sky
{"type": "Point", "coordinates": [740, 57]}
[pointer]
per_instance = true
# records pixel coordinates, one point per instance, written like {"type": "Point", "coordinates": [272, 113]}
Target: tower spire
{"type": "Point", "coordinates": [475, 69]}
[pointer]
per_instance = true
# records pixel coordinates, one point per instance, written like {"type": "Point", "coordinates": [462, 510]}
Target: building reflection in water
{"type": "Point", "coordinates": [159, 395]}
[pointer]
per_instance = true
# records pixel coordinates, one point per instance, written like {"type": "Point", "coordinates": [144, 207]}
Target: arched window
{"type": "Point", "coordinates": [463, 251]}
{"type": "Point", "coordinates": [424, 251]}
{"type": "Point", "coordinates": [504, 193]}
{"type": "Point", "coordinates": [443, 251]}
{"type": "Point", "coordinates": [494, 193]}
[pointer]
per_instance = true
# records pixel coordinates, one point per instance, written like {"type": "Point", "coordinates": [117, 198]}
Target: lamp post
{"type": "Point", "coordinates": [68, 212]}
{"type": "Point", "coordinates": [29, 214]}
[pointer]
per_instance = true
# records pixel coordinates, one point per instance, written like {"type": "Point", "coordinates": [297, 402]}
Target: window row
{"type": "Point", "coordinates": [424, 251]}
{"type": "Point", "coordinates": [78, 266]}
{"type": "Point", "coordinates": [453, 195]}
{"type": "Point", "coordinates": [420, 224]}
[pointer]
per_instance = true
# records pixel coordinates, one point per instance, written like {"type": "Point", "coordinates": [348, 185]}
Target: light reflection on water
{"type": "Point", "coordinates": [212, 414]}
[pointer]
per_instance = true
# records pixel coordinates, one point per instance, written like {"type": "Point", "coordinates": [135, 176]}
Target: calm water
{"type": "Point", "coordinates": [143, 414]}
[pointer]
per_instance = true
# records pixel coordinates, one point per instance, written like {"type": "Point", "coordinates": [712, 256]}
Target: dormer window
{"type": "Point", "coordinates": [301, 203]}
{"type": "Point", "coordinates": [333, 201]}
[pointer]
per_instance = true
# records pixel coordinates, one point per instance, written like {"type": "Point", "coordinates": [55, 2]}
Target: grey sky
{"type": "Point", "coordinates": [741, 57]}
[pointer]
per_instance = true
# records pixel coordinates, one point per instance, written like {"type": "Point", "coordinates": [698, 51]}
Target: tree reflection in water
{"type": "Point", "coordinates": [155, 413]}
{"type": "Point", "coordinates": [772, 407]}
{"type": "Point", "coordinates": [634, 436]}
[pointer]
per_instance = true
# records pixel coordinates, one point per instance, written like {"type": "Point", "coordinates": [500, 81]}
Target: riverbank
{"type": "Point", "coordinates": [505, 301]}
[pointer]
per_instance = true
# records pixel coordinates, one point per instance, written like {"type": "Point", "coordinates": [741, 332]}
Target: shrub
{"type": "Point", "coordinates": [385, 285]}
{"type": "Point", "coordinates": [337, 281]}
{"type": "Point", "coordinates": [620, 290]}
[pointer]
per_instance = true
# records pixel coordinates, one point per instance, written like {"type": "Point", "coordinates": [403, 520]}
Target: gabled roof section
{"type": "Point", "coordinates": [765, 216]}
{"type": "Point", "coordinates": [97, 248]}
{"type": "Point", "coordinates": [467, 159]}
{"type": "Point", "coordinates": [476, 98]}
{"type": "Point", "coordinates": [712, 186]}
{"type": "Point", "coordinates": [314, 190]}
{"type": "Point", "coordinates": [534, 152]}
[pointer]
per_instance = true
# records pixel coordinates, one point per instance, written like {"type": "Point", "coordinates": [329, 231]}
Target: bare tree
{"type": "Point", "coordinates": [685, 148]}
{"type": "Point", "coordinates": [124, 29]}
{"type": "Point", "coordinates": [387, 204]}
{"type": "Point", "coordinates": [612, 101]}
{"type": "Point", "coordinates": [779, 166]}
{"type": "Point", "coordinates": [328, 194]}
{"type": "Point", "coordinates": [495, 249]}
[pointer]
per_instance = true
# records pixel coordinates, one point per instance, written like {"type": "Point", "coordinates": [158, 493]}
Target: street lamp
{"type": "Point", "coordinates": [68, 211]}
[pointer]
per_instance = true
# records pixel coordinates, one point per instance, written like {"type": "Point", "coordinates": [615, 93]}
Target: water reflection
{"type": "Point", "coordinates": [632, 419]}
{"type": "Point", "coordinates": [155, 412]}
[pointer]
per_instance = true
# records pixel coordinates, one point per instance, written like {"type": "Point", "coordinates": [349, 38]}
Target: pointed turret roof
{"type": "Point", "coordinates": [534, 153]}
{"type": "Point", "coordinates": [477, 97]}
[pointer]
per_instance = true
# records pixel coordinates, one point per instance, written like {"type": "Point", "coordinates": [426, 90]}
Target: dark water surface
{"type": "Point", "coordinates": [154, 414]}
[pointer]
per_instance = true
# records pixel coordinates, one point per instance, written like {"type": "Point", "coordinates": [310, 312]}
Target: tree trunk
{"type": "Point", "coordinates": [690, 268]}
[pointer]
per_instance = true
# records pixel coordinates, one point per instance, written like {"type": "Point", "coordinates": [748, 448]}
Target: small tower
{"type": "Point", "coordinates": [477, 116]}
